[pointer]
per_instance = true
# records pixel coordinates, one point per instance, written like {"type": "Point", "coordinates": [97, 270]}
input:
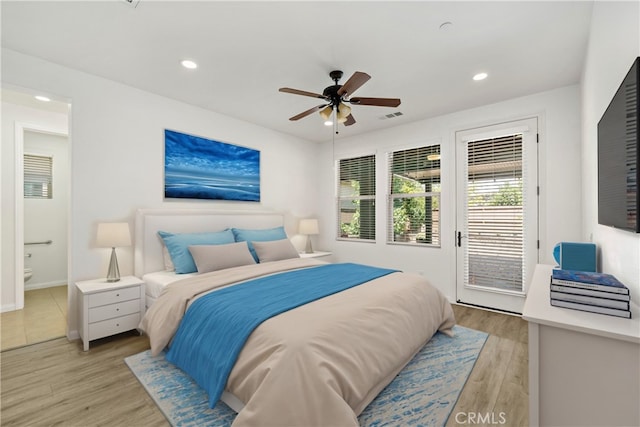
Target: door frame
{"type": "Point", "coordinates": [19, 130]}
{"type": "Point", "coordinates": [512, 299]}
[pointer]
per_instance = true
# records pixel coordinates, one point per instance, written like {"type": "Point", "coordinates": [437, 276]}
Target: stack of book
{"type": "Point", "coordinates": [594, 292]}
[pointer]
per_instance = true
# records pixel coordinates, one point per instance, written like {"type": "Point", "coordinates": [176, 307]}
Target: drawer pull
{"type": "Point", "coordinates": [117, 309]}
{"type": "Point", "coordinates": [117, 324]}
{"type": "Point", "coordinates": [117, 295]}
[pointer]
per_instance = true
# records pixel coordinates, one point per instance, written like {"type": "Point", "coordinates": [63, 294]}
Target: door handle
{"type": "Point", "coordinates": [459, 238]}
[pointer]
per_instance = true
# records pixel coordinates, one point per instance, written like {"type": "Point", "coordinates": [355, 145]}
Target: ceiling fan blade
{"type": "Point", "coordinates": [308, 112]}
{"type": "Point", "coordinates": [355, 81]}
{"type": "Point", "coordinates": [301, 92]}
{"type": "Point", "coordinates": [380, 102]}
{"type": "Point", "coordinates": [350, 120]}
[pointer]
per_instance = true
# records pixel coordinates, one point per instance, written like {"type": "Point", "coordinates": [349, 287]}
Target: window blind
{"type": "Point", "coordinates": [356, 198]}
{"type": "Point", "coordinates": [414, 200]}
{"type": "Point", "coordinates": [494, 215]}
{"type": "Point", "coordinates": [38, 176]}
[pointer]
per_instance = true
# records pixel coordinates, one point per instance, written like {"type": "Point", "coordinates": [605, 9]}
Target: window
{"type": "Point", "coordinates": [414, 201]}
{"type": "Point", "coordinates": [356, 198]}
{"type": "Point", "coordinates": [495, 213]}
{"type": "Point", "coordinates": [38, 177]}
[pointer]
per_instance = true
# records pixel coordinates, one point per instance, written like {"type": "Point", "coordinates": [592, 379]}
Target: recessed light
{"type": "Point", "coordinates": [480, 76]}
{"type": "Point", "coordinates": [42, 98]}
{"type": "Point", "coordinates": [187, 63]}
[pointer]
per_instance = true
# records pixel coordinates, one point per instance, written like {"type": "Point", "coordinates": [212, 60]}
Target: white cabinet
{"type": "Point", "coordinates": [109, 308]}
{"type": "Point", "coordinates": [584, 368]}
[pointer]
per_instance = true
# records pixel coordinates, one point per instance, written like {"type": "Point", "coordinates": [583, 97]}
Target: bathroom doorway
{"type": "Point", "coordinates": [41, 160]}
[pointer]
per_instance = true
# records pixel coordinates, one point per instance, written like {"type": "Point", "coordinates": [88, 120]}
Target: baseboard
{"type": "Point", "coordinates": [44, 285]}
{"type": "Point", "coordinates": [7, 307]}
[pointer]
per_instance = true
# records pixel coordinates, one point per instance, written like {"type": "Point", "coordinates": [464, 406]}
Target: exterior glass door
{"type": "Point", "coordinates": [497, 214]}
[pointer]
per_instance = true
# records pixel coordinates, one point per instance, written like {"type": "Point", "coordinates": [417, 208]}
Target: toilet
{"type": "Point", "coordinates": [28, 272]}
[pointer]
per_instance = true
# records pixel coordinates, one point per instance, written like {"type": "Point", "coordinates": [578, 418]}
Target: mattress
{"type": "Point", "coordinates": [155, 283]}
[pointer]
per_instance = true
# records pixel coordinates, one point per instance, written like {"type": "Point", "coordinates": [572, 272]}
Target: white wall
{"type": "Point", "coordinates": [29, 117]}
{"type": "Point", "coordinates": [117, 162]}
{"type": "Point", "coordinates": [116, 138]}
{"type": "Point", "coordinates": [613, 46]}
{"type": "Point", "coordinates": [559, 177]}
{"type": "Point", "coordinates": [46, 219]}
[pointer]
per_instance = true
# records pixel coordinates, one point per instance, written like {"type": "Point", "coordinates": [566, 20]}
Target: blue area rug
{"type": "Point", "coordinates": [423, 394]}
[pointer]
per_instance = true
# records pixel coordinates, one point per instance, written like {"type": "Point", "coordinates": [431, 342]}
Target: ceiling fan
{"type": "Point", "coordinates": [338, 95]}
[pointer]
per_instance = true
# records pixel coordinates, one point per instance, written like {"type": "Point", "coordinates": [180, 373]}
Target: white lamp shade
{"type": "Point", "coordinates": [113, 235]}
{"type": "Point", "coordinates": [308, 226]}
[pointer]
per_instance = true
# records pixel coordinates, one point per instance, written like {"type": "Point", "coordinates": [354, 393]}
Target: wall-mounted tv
{"type": "Point", "coordinates": [619, 156]}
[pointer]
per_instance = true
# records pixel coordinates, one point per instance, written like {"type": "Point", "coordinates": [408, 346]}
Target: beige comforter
{"type": "Point", "coordinates": [322, 363]}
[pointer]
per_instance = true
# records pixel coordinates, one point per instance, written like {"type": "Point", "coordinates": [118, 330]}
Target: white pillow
{"type": "Point", "coordinates": [168, 264]}
{"type": "Point", "coordinates": [275, 250]}
{"type": "Point", "coordinates": [218, 257]}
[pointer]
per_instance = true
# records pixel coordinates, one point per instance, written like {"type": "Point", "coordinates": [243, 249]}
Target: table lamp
{"type": "Point", "coordinates": [308, 227]}
{"type": "Point", "coordinates": [113, 235]}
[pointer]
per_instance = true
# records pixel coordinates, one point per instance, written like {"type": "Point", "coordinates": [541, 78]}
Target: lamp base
{"type": "Point", "coordinates": [308, 249]}
{"type": "Point", "coordinates": [113, 274]}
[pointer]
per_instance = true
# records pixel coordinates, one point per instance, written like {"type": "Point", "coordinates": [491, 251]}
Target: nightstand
{"type": "Point", "coordinates": [109, 308]}
{"type": "Point", "coordinates": [316, 254]}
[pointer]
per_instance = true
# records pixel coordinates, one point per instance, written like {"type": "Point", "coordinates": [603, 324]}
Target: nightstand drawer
{"type": "Point", "coordinates": [111, 297]}
{"type": "Point", "coordinates": [113, 326]}
{"type": "Point", "coordinates": [110, 311]}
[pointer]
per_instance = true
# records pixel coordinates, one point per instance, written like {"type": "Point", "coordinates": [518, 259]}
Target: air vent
{"type": "Point", "coordinates": [391, 115]}
{"type": "Point", "coordinates": [132, 3]}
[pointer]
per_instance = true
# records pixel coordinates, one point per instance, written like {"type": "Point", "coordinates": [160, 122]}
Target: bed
{"type": "Point", "coordinates": [320, 362]}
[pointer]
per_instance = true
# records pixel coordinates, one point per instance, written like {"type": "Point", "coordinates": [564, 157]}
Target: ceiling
{"type": "Point", "coordinates": [28, 100]}
{"type": "Point", "coordinates": [247, 50]}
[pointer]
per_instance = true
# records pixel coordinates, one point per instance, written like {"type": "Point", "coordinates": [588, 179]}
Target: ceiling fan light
{"type": "Point", "coordinates": [328, 123]}
{"type": "Point", "coordinates": [343, 111]}
{"type": "Point", "coordinates": [325, 113]}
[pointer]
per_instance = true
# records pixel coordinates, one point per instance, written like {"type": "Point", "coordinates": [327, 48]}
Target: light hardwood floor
{"type": "Point", "coordinates": [56, 383]}
{"type": "Point", "coordinates": [43, 317]}
{"type": "Point", "coordinates": [498, 387]}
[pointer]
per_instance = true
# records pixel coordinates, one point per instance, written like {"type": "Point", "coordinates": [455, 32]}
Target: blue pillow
{"type": "Point", "coordinates": [252, 235]}
{"type": "Point", "coordinates": [178, 246]}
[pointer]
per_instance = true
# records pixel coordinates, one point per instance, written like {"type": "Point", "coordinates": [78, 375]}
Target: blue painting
{"type": "Point", "coordinates": [200, 168]}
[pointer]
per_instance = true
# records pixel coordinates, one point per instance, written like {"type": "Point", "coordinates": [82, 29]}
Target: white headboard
{"type": "Point", "coordinates": [148, 246]}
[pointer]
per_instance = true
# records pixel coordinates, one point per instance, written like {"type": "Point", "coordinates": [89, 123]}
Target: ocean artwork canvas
{"type": "Point", "coordinates": [201, 168]}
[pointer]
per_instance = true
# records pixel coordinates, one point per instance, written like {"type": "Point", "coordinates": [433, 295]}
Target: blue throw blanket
{"type": "Point", "coordinates": [216, 326]}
